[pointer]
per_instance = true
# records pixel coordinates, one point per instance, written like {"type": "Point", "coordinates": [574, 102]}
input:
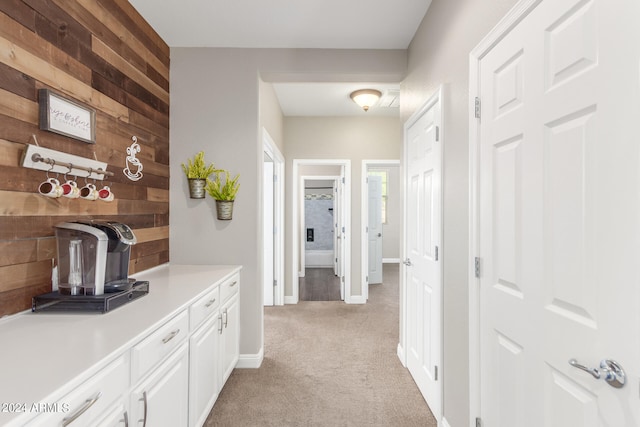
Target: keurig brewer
{"type": "Point", "coordinates": [93, 257]}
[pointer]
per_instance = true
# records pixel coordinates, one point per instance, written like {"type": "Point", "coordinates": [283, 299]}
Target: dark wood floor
{"type": "Point", "coordinates": [319, 284]}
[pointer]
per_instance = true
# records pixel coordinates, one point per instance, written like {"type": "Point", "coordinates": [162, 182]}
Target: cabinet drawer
{"type": "Point", "coordinates": [91, 399]}
{"type": "Point", "coordinates": [229, 287]}
{"type": "Point", "coordinates": [159, 344]}
{"type": "Point", "coordinates": [203, 308]}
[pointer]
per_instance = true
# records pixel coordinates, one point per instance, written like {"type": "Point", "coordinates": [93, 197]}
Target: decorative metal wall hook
{"type": "Point", "coordinates": [133, 167]}
{"type": "Point", "coordinates": [53, 165]}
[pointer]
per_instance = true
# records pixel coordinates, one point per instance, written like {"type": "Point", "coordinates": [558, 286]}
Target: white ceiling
{"type": "Point", "coordinates": [329, 24]}
{"type": "Point", "coordinates": [330, 99]}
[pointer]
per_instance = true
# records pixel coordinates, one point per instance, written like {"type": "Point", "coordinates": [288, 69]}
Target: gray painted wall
{"type": "Point", "coordinates": [271, 118]}
{"type": "Point", "coordinates": [439, 54]}
{"type": "Point", "coordinates": [349, 138]}
{"type": "Point", "coordinates": [216, 106]}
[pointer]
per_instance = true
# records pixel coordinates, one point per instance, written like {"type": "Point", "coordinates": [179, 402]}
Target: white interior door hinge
{"type": "Point", "coordinates": [477, 267]}
{"type": "Point", "coordinates": [477, 108]}
{"type": "Point", "coordinates": [435, 373]}
{"type": "Point", "coordinates": [478, 422]}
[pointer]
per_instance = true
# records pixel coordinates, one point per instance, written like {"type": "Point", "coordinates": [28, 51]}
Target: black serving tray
{"type": "Point", "coordinates": [54, 302]}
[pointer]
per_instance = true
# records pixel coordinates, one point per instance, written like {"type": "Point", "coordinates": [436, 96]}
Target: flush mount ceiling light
{"type": "Point", "coordinates": [366, 97]}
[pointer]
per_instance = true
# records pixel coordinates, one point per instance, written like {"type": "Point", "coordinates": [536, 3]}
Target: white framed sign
{"type": "Point", "coordinates": [66, 117]}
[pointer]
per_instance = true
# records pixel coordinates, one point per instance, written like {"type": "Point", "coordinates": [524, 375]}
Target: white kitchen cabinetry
{"type": "Point", "coordinates": [92, 398]}
{"type": "Point", "coordinates": [214, 347]}
{"type": "Point", "coordinates": [204, 384]}
{"type": "Point", "coordinates": [162, 398]}
{"type": "Point", "coordinates": [117, 416]}
{"type": "Point", "coordinates": [163, 358]}
{"type": "Point", "coordinates": [230, 337]}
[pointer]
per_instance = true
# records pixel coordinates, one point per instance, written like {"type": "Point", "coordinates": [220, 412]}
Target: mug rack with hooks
{"type": "Point", "coordinates": [45, 159]}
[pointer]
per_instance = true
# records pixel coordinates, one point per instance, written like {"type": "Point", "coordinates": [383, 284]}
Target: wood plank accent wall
{"type": "Point", "coordinates": [103, 54]}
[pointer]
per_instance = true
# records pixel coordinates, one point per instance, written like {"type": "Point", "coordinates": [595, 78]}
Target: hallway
{"type": "Point", "coordinates": [319, 284]}
{"type": "Point", "coordinates": [315, 373]}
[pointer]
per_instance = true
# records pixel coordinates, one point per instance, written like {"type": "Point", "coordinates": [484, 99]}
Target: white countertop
{"type": "Point", "coordinates": [44, 355]}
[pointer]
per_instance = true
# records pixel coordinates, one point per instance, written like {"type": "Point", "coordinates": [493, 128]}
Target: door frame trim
{"type": "Point", "coordinates": [296, 200]}
{"type": "Point", "coordinates": [364, 219]}
{"type": "Point", "coordinates": [520, 11]}
{"type": "Point", "coordinates": [269, 147]}
{"type": "Point", "coordinates": [303, 212]}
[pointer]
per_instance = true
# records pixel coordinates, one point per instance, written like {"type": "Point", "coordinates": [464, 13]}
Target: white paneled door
{"type": "Point", "coordinates": [422, 264]}
{"type": "Point", "coordinates": [374, 229]}
{"type": "Point", "coordinates": [558, 190]}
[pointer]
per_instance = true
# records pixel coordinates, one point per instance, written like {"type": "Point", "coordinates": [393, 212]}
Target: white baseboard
{"type": "Point", "coordinates": [290, 300]}
{"type": "Point", "coordinates": [445, 423]}
{"type": "Point", "coordinates": [357, 299]}
{"type": "Point", "coordinates": [250, 361]}
{"type": "Point", "coordinates": [391, 260]}
{"type": "Point", "coordinates": [400, 353]}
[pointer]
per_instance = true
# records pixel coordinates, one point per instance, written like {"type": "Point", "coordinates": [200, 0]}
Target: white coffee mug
{"type": "Point", "coordinates": [105, 194]}
{"type": "Point", "coordinates": [89, 192]}
{"type": "Point", "coordinates": [50, 188]}
{"type": "Point", "coordinates": [70, 189]}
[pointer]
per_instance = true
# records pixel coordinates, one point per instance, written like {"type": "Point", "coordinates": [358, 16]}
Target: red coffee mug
{"type": "Point", "coordinates": [105, 194]}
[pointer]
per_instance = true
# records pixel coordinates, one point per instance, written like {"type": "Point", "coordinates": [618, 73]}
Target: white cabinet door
{"type": "Point", "coordinates": [230, 337]}
{"type": "Point", "coordinates": [204, 370]}
{"type": "Point", "coordinates": [161, 399]}
{"type": "Point", "coordinates": [117, 416]}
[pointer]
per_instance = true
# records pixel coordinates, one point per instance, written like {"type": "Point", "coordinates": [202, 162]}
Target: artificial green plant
{"type": "Point", "coordinates": [223, 191]}
{"type": "Point", "coordinates": [197, 168]}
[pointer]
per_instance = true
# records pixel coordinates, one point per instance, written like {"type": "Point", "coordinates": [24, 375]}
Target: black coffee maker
{"type": "Point", "coordinates": [121, 238]}
{"type": "Point", "coordinates": [93, 257]}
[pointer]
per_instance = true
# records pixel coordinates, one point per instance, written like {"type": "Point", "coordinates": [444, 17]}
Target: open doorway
{"type": "Point", "coordinates": [335, 172]}
{"type": "Point", "coordinates": [380, 218]}
{"type": "Point", "coordinates": [321, 276]}
{"type": "Point", "coordinates": [273, 222]}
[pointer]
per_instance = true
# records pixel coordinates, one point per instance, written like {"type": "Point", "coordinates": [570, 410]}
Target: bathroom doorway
{"type": "Point", "coordinates": [329, 245]}
{"type": "Point", "coordinates": [320, 279]}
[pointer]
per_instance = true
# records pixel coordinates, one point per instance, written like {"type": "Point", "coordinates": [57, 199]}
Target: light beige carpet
{"type": "Point", "coordinates": [327, 364]}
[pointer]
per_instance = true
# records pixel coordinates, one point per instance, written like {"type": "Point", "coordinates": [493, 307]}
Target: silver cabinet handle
{"type": "Point", "coordinates": [144, 399]}
{"type": "Point", "coordinates": [126, 419]}
{"type": "Point", "coordinates": [235, 282]}
{"type": "Point", "coordinates": [379, 234]}
{"type": "Point", "coordinates": [210, 303]}
{"type": "Point", "coordinates": [171, 336]}
{"type": "Point", "coordinates": [613, 373]}
{"type": "Point", "coordinates": [226, 317]}
{"type": "Point", "coordinates": [220, 323]}
{"type": "Point", "coordinates": [407, 262]}
{"type": "Point", "coordinates": [87, 404]}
